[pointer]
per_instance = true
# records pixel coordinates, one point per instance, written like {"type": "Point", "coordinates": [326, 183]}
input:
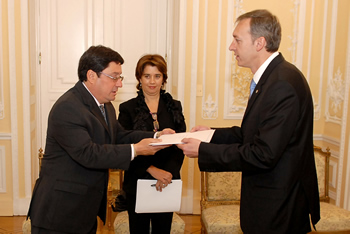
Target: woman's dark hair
{"type": "Point", "coordinates": [97, 58]}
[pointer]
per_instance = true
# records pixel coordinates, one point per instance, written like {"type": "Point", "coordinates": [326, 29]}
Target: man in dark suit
{"type": "Point", "coordinates": [83, 141]}
{"type": "Point", "coordinates": [274, 145]}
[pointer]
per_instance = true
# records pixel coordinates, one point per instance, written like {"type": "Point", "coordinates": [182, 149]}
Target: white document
{"type": "Point", "coordinates": [173, 139]}
{"type": "Point", "coordinates": [149, 200]}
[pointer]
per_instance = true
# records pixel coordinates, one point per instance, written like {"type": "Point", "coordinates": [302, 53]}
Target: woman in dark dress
{"type": "Point", "coordinates": [152, 109]}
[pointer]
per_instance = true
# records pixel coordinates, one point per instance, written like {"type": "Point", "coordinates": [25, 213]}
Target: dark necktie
{"type": "Point", "coordinates": [102, 108]}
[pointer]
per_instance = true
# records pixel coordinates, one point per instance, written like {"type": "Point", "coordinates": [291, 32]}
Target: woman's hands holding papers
{"type": "Point", "coordinates": [166, 131]}
{"type": "Point", "coordinates": [191, 145]}
{"type": "Point", "coordinates": [163, 177]}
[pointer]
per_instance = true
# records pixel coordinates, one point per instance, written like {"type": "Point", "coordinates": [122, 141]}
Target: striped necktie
{"type": "Point", "coordinates": [102, 108]}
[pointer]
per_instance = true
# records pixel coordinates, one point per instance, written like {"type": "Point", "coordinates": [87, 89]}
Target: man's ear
{"type": "Point", "coordinates": [260, 43]}
{"type": "Point", "coordinates": [91, 76]}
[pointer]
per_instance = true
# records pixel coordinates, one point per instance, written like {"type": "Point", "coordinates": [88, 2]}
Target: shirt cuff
{"type": "Point", "coordinates": [156, 135]}
{"type": "Point", "coordinates": [133, 153]}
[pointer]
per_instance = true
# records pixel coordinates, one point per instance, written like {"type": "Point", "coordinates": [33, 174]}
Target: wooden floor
{"type": "Point", "coordinates": [14, 225]}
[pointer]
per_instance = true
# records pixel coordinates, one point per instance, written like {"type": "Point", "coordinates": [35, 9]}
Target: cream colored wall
{"type": "Point", "coordinates": [315, 38]}
{"type": "Point", "coordinates": [15, 124]}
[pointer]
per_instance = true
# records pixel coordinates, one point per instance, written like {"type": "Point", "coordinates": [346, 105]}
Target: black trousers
{"type": "Point", "coordinates": [140, 223]}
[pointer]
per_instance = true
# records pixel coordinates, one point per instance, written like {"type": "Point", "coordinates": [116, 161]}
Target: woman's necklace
{"type": "Point", "coordinates": [155, 121]}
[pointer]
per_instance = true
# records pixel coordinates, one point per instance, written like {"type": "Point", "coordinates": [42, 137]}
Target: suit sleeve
{"type": "Point", "coordinates": [81, 135]}
{"type": "Point", "coordinates": [266, 133]}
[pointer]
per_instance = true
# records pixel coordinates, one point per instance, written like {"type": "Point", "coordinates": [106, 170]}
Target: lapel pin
{"type": "Point", "coordinates": [257, 91]}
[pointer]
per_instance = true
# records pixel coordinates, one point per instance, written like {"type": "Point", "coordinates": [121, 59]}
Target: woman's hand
{"type": "Point", "coordinates": [163, 177]}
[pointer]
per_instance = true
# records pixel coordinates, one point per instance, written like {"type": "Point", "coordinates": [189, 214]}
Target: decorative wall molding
{"type": "Point", "coordinates": [5, 136]}
{"type": "Point", "coordinates": [332, 195]}
{"type": "Point", "coordinates": [2, 169]}
{"type": "Point", "coordinates": [334, 166]}
{"type": "Point", "coordinates": [333, 79]}
{"type": "Point", "coordinates": [327, 139]}
{"type": "Point", "coordinates": [237, 79]}
{"type": "Point", "coordinates": [210, 105]}
{"type": "Point", "coordinates": [294, 38]}
{"type": "Point", "coordinates": [343, 137]}
{"type": "Point", "coordinates": [335, 97]}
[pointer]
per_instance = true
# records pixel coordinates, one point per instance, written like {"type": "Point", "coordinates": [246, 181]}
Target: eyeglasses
{"type": "Point", "coordinates": [114, 78]}
{"type": "Point", "coordinates": [155, 121]}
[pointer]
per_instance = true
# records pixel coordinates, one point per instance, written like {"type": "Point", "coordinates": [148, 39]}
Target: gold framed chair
{"type": "Point", "coordinates": [333, 218]}
{"type": "Point", "coordinates": [220, 200]}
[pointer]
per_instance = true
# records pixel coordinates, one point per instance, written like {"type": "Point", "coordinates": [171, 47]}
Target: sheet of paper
{"type": "Point", "coordinates": [173, 139]}
{"type": "Point", "coordinates": [149, 200]}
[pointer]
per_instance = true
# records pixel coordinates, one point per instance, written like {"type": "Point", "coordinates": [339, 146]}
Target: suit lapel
{"type": "Point", "coordinates": [90, 102]}
{"type": "Point", "coordinates": [260, 86]}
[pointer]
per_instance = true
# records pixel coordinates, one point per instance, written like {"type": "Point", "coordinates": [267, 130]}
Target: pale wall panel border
{"type": "Point", "coordinates": [2, 112]}
{"type": "Point", "coordinates": [187, 202]}
{"type": "Point", "coordinates": [333, 182]}
{"type": "Point", "coordinates": [13, 102]}
{"type": "Point", "coordinates": [299, 31]}
{"type": "Point", "coordinates": [344, 127]}
{"type": "Point", "coordinates": [311, 32]}
{"type": "Point", "coordinates": [330, 80]}
{"type": "Point", "coordinates": [26, 97]}
{"type": "Point", "coordinates": [347, 181]}
{"type": "Point", "coordinates": [2, 169]}
{"type": "Point", "coordinates": [210, 105]}
{"type": "Point", "coordinates": [182, 50]}
{"type": "Point", "coordinates": [318, 102]}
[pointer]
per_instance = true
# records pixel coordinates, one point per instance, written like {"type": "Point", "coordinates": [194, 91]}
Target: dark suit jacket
{"type": "Point", "coordinates": [274, 150]}
{"type": "Point", "coordinates": [169, 159]}
{"type": "Point", "coordinates": [71, 189]}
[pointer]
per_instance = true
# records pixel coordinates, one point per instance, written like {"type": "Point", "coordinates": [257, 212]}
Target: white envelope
{"type": "Point", "coordinates": [170, 139]}
{"type": "Point", "coordinates": [149, 200]}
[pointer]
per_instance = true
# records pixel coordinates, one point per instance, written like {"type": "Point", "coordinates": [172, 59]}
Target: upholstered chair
{"type": "Point", "coordinates": [220, 201]}
{"type": "Point", "coordinates": [333, 218]}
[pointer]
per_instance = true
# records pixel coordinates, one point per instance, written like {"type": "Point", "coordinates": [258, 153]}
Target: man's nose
{"type": "Point", "coordinates": [119, 83]}
{"type": "Point", "coordinates": [232, 46]}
